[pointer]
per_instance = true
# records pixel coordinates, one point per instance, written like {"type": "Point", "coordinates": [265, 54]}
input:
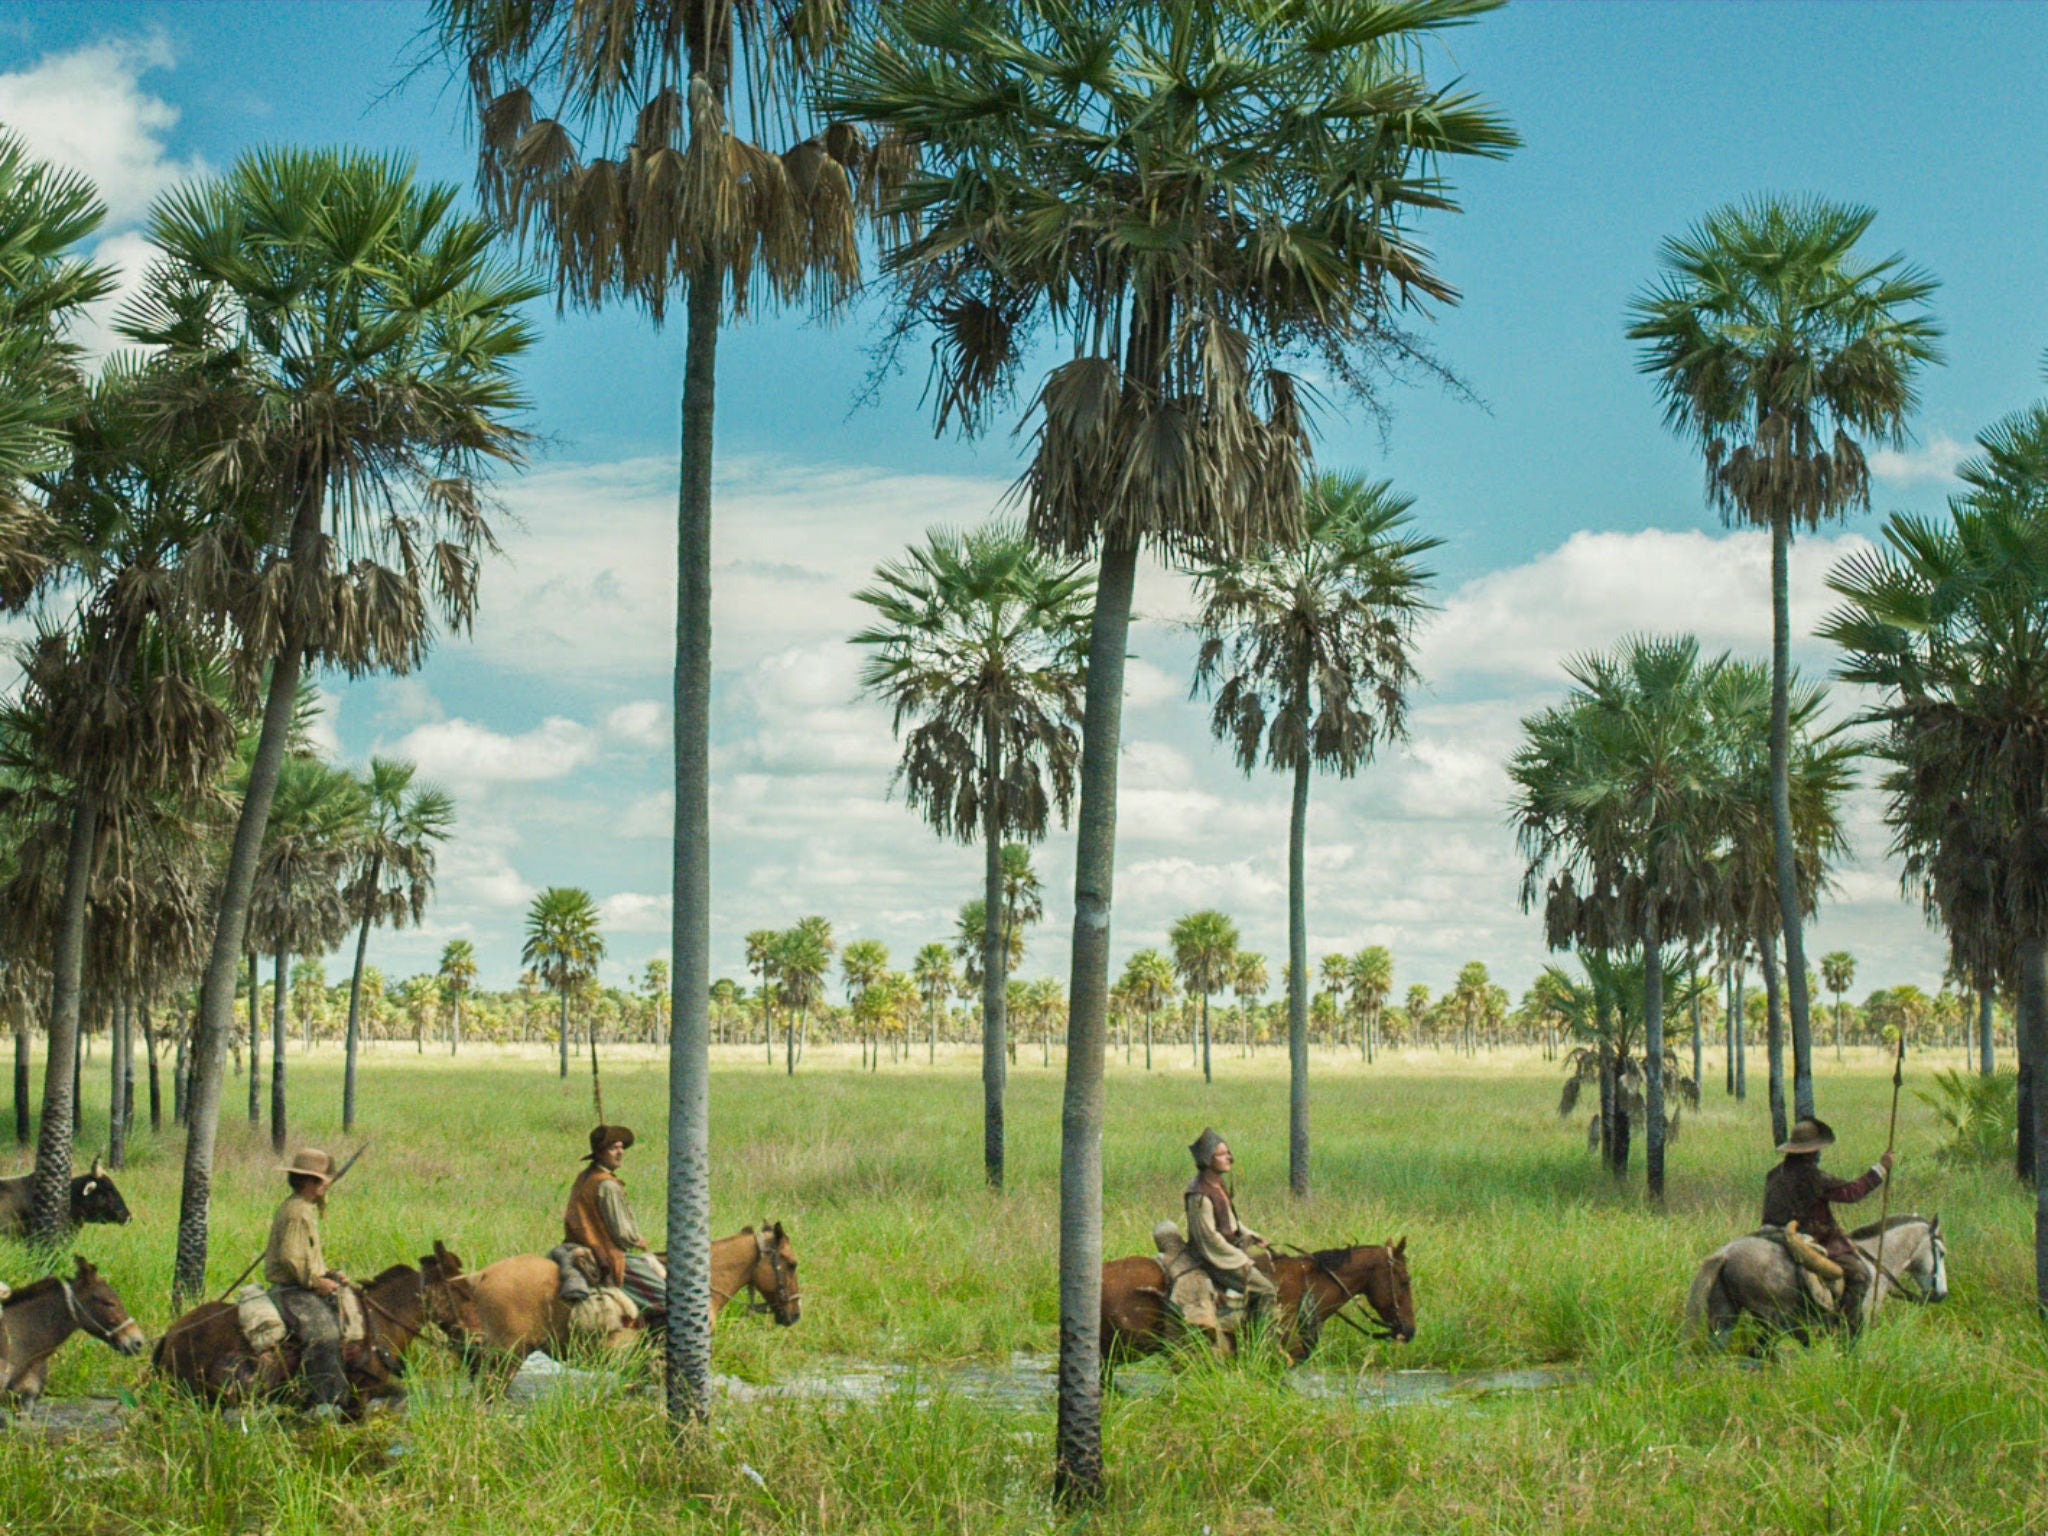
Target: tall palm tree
{"type": "Point", "coordinates": [1838, 975]}
{"type": "Point", "coordinates": [563, 945]}
{"type": "Point", "coordinates": [803, 958]}
{"type": "Point", "coordinates": [933, 970]}
{"type": "Point", "coordinates": [394, 881]}
{"type": "Point", "coordinates": [977, 648]}
{"type": "Point", "coordinates": [1309, 654]}
{"type": "Point", "coordinates": [1149, 977]}
{"type": "Point", "coordinates": [608, 136]}
{"type": "Point", "coordinates": [862, 964]}
{"type": "Point", "coordinates": [1370, 975]}
{"type": "Point", "coordinates": [1249, 980]}
{"type": "Point", "coordinates": [1468, 996]}
{"type": "Point", "coordinates": [1778, 350]}
{"type": "Point", "coordinates": [761, 961]}
{"type": "Point", "coordinates": [1624, 797]}
{"type": "Point", "coordinates": [458, 978]}
{"type": "Point", "coordinates": [346, 340]}
{"type": "Point", "coordinates": [1205, 958]}
{"type": "Point", "coordinates": [1949, 619]}
{"type": "Point", "coordinates": [1186, 195]}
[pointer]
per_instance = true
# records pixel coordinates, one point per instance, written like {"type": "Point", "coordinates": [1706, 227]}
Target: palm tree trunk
{"type": "Point", "coordinates": [2033, 1043]}
{"type": "Point", "coordinates": [1297, 983]}
{"type": "Point", "coordinates": [1789, 916]}
{"type": "Point", "coordinates": [1741, 1037]}
{"type": "Point", "coordinates": [1205, 1038]}
{"type": "Point", "coordinates": [562, 1033]}
{"type": "Point", "coordinates": [217, 986]}
{"type": "Point", "coordinates": [1774, 1031]}
{"type": "Point", "coordinates": [1077, 1457]}
{"type": "Point", "coordinates": [50, 1191]}
{"type": "Point", "coordinates": [255, 1044]}
{"type": "Point", "coordinates": [181, 1075]}
{"type": "Point", "coordinates": [455, 1028]}
{"type": "Point", "coordinates": [279, 1022]}
{"type": "Point", "coordinates": [352, 1038]}
{"type": "Point", "coordinates": [1987, 1063]}
{"type": "Point", "coordinates": [117, 1096]}
{"type": "Point", "coordinates": [1653, 1060]}
{"type": "Point", "coordinates": [995, 961]}
{"type": "Point", "coordinates": [688, 1293]}
{"type": "Point", "coordinates": [1148, 1039]}
{"type": "Point", "coordinates": [156, 1097]}
{"type": "Point", "coordinates": [22, 1127]}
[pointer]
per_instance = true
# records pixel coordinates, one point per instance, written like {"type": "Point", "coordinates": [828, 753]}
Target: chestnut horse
{"type": "Point", "coordinates": [42, 1315]}
{"type": "Point", "coordinates": [204, 1350]}
{"type": "Point", "coordinates": [505, 1311]}
{"type": "Point", "coordinates": [1139, 1319]}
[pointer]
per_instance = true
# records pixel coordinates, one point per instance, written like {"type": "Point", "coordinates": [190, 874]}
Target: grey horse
{"type": "Point", "coordinates": [1755, 1276]}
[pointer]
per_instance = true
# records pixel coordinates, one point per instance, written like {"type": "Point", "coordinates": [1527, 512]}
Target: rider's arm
{"type": "Point", "coordinates": [295, 1253]}
{"type": "Point", "coordinates": [1208, 1243]}
{"type": "Point", "coordinates": [618, 1216]}
{"type": "Point", "coordinates": [1849, 1191]}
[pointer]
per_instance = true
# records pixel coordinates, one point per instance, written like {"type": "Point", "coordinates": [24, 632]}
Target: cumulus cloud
{"type": "Point", "coordinates": [1934, 462]}
{"type": "Point", "coordinates": [644, 723]}
{"type": "Point", "coordinates": [88, 109]}
{"type": "Point", "coordinates": [464, 753]}
{"type": "Point", "coordinates": [634, 912]}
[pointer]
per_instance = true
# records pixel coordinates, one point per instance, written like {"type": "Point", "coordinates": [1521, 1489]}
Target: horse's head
{"type": "Point", "coordinates": [94, 1199]}
{"type": "Point", "coordinates": [773, 1276]}
{"type": "Point", "coordinates": [449, 1300]}
{"type": "Point", "coordinates": [1931, 1265]}
{"type": "Point", "coordinates": [1389, 1293]}
{"type": "Point", "coordinates": [96, 1308]}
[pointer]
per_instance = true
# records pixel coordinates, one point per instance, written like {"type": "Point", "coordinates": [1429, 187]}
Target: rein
{"type": "Point", "coordinates": [1386, 1332]}
{"type": "Point", "coordinates": [761, 1306]}
{"type": "Point", "coordinates": [82, 1320]}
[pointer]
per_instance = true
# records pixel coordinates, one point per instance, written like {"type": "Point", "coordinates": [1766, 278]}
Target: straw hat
{"type": "Point", "coordinates": [310, 1161]}
{"type": "Point", "coordinates": [1809, 1135]}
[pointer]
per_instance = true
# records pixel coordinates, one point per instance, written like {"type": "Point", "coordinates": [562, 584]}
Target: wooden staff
{"type": "Point", "coordinates": [1884, 1205]}
{"type": "Point", "coordinates": [250, 1267]}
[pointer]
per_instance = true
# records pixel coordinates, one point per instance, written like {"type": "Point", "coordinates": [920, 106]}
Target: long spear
{"type": "Point", "coordinates": [1891, 1136]}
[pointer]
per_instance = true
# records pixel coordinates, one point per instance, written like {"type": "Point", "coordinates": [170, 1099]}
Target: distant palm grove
{"type": "Point", "coordinates": [1131, 234]}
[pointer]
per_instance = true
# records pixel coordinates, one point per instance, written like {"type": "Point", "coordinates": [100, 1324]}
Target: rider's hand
{"type": "Point", "coordinates": [326, 1285]}
{"type": "Point", "coordinates": [1885, 1162]}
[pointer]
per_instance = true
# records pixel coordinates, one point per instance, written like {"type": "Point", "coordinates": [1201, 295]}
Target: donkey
{"type": "Point", "coordinates": [1755, 1277]}
{"type": "Point", "coordinates": [93, 1199]}
{"type": "Point", "coordinates": [43, 1314]}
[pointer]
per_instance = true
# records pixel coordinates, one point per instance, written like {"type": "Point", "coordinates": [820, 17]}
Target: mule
{"type": "Point", "coordinates": [1138, 1318]}
{"type": "Point", "coordinates": [205, 1353]}
{"type": "Point", "coordinates": [41, 1315]}
{"type": "Point", "coordinates": [505, 1311]}
{"type": "Point", "coordinates": [1755, 1277]}
{"type": "Point", "coordinates": [93, 1199]}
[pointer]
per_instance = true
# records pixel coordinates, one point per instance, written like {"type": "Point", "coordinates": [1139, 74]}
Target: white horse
{"type": "Point", "coordinates": [1756, 1276]}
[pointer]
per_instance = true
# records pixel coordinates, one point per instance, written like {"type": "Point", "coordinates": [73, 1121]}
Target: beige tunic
{"type": "Point", "coordinates": [618, 1215]}
{"type": "Point", "coordinates": [1215, 1251]}
{"type": "Point", "coordinates": [293, 1256]}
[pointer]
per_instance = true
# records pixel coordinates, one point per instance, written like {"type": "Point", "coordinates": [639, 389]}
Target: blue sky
{"type": "Point", "coordinates": [1570, 516]}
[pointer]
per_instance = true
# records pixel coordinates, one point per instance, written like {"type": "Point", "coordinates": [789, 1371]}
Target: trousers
{"type": "Point", "coordinates": [317, 1326]}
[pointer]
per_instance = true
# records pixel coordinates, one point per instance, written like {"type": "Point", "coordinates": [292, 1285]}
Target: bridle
{"type": "Point", "coordinates": [1387, 1331]}
{"type": "Point", "coordinates": [83, 1319]}
{"type": "Point", "coordinates": [776, 1267]}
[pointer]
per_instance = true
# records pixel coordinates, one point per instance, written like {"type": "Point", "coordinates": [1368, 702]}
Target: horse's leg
{"type": "Point", "coordinates": [28, 1381]}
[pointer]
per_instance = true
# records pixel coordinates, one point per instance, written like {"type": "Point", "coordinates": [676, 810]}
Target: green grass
{"type": "Point", "coordinates": [1522, 1251]}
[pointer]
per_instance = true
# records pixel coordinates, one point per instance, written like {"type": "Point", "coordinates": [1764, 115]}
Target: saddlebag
{"type": "Point", "coordinates": [262, 1324]}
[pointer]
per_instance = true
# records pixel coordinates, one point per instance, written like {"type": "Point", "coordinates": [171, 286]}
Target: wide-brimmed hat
{"type": "Point", "coordinates": [1204, 1146]}
{"type": "Point", "coordinates": [310, 1161]}
{"type": "Point", "coordinates": [1809, 1135]}
{"type": "Point", "coordinates": [602, 1136]}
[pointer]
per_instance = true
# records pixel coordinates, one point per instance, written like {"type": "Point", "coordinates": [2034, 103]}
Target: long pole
{"type": "Point", "coordinates": [1884, 1204]}
{"type": "Point", "coordinates": [249, 1268]}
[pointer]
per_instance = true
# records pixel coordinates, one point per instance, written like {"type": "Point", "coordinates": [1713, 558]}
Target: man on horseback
{"type": "Point", "coordinates": [304, 1288]}
{"type": "Point", "coordinates": [1214, 1233]}
{"type": "Point", "coordinates": [599, 1218]}
{"type": "Point", "coordinates": [1797, 1190]}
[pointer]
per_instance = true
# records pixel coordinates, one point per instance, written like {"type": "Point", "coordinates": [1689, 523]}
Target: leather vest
{"type": "Point", "coordinates": [1211, 1188]}
{"type": "Point", "coordinates": [584, 1222]}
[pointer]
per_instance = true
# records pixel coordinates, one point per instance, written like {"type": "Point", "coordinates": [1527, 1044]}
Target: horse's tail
{"type": "Point", "coordinates": [1700, 1298]}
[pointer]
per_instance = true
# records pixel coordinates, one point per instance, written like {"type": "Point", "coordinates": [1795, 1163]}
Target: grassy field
{"type": "Point", "coordinates": [1523, 1252]}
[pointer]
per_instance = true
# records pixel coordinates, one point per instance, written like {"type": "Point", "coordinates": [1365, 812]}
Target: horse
{"type": "Point", "coordinates": [43, 1314]}
{"type": "Point", "coordinates": [1756, 1277]}
{"type": "Point", "coordinates": [1139, 1319]}
{"type": "Point", "coordinates": [505, 1311]}
{"type": "Point", "coordinates": [93, 1199]}
{"type": "Point", "coordinates": [205, 1353]}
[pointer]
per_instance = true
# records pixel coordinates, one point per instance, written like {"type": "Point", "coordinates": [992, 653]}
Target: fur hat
{"type": "Point", "coordinates": [602, 1136]}
{"type": "Point", "coordinates": [1809, 1136]}
{"type": "Point", "coordinates": [1204, 1146]}
{"type": "Point", "coordinates": [310, 1161]}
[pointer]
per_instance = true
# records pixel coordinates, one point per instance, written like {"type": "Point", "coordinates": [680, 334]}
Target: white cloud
{"type": "Point", "coordinates": [464, 753]}
{"type": "Point", "coordinates": [322, 731]}
{"type": "Point", "coordinates": [644, 723]}
{"type": "Point", "coordinates": [1932, 463]}
{"type": "Point", "coordinates": [634, 912]}
{"type": "Point", "coordinates": [88, 109]}
{"type": "Point", "coordinates": [1147, 686]}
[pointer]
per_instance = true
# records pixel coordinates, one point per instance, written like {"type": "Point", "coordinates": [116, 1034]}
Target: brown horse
{"type": "Point", "coordinates": [42, 1315]}
{"type": "Point", "coordinates": [507, 1310]}
{"type": "Point", "coordinates": [204, 1350]}
{"type": "Point", "coordinates": [1138, 1319]}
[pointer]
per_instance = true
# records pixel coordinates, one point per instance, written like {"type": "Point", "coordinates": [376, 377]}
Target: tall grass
{"type": "Point", "coordinates": [1523, 1251]}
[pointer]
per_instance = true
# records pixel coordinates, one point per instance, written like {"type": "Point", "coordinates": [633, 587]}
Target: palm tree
{"type": "Point", "coordinates": [803, 956]}
{"type": "Point", "coordinates": [1838, 975]}
{"type": "Point", "coordinates": [1186, 195]}
{"type": "Point", "coordinates": [970, 943]}
{"type": "Point", "coordinates": [394, 877]}
{"type": "Point", "coordinates": [863, 963]}
{"type": "Point", "coordinates": [1249, 981]}
{"type": "Point", "coordinates": [1149, 977]}
{"type": "Point", "coordinates": [761, 961]}
{"type": "Point", "coordinates": [1777, 349]}
{"type": "Point", "coordinates": [1370, 975]}
{"type": "Point", "coordinates": [1468, 995]}
{"type": "Point", "coordinates": [978, 640]}
{"type": "Point", "coordinates": [638, 185]}
{"type": "Point", "coordinates": [936, 980]}
{"type": "Point", "coordinates": [346, 340]}
{"type": "Point", "coordinates": [1950, 620]}
{"type": "Point", "coordinates": [1606, 1009]}
{"type": "Point", "coordinates": [1205, 959]}
{"type": "Point", "coordinates": [564, 946]}
{"type": "Point", "coordinates": [458, 978]}
{"type": "Point", "coordinates": [1624, 799]}
{"type": "Point", "coordinates": [1309, 654]}
{"type": "Point", "coordinates": [654, 982]}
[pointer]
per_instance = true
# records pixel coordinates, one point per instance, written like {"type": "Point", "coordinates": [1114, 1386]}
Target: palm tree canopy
{"type": "Point", "coordinates": [399, 848]}
{"type": "Point", "coordinates": [1309, 651]}
{"type": "Point", "coordinates": [978, 645]}
{"type": "Point", "coordinates": [802, 958]}
{"type": "Point", "coordinates": [968, 929]}
{"type": "Point", "coordinates": [1776, 347]}
{"type": "Point", "coordinates": [1148, 979]}
{"type": "Point", "coordinates": [458, 967]}
{"type": "Point", "coordinates": [563, 940]}
{"type": "Point", "coordinates": [317, 821]}
{"type": "Point", "coordinates": [1204, 951]}
{"type": "Point", "coordinates": [1185, 194]}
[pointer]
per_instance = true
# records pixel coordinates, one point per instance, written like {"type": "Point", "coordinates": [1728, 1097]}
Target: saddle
{"type": "Point", "coordinates": [1191, 1290]}
{"type": "Point", "coordinates": [263, 1324]}
{"type": "Point", "coordinates": [596, 1306]}
{"type": "Point", "coordinates": [1823, 1277]}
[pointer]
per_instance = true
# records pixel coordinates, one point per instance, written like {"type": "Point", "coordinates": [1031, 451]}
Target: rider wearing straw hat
{"type": "Point", "coordinates": [304, 1288]}
{"type": "Point", "coordinates": [1214, 1232]}
{"type": "Point", "coordinates": [1798, 1190]}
